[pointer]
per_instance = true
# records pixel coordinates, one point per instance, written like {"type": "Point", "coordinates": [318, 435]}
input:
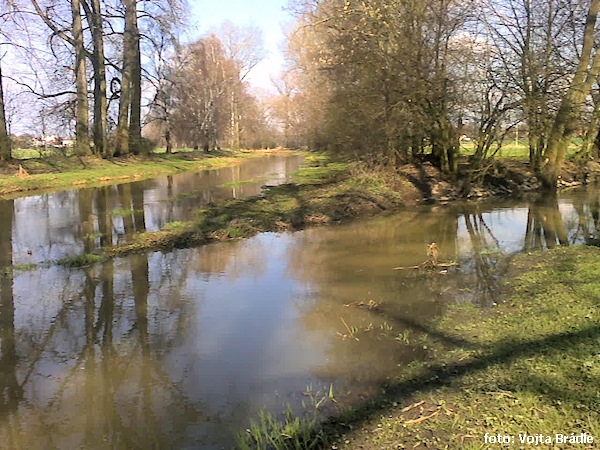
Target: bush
{"type": "Point", "coordinates": [147, 146]}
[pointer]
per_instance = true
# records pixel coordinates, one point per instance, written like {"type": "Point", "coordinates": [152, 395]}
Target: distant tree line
{"type": "Point", "coordinates": [400, 80]}
{"type": "Point", "coordinates": [201, 98]}
{"type": "Point", "coordinates": [110, 70]}
{"type": "Point", "coordinates": [394, 81]}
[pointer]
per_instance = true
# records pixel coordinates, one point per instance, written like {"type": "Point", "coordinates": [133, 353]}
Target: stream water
{"type": "Point", "coordinates": [182, 349]}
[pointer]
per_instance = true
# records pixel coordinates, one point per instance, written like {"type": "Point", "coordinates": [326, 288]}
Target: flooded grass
{"type": "Point", "coordinates": [124, 212]}
{"type": "Point", "coordinates": [528, 366]}
{"type": "Point", "coordinates": [12, 270]}
{"type": "Point", "coordinates": [75, 172]}
{"type": "Point", "coordinates": [84, 260]}
{"type": "Point", "coordinates": [182, 196]}
{"type": "Point", "coordinates": [242, 182]}
{"type": "Point", "coordinates": [290, 430]}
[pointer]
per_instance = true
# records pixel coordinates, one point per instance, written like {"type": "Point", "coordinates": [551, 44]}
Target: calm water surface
{"type": "Point", "coordinates": [182, 349]}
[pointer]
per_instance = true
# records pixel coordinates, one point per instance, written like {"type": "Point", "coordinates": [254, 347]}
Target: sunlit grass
{"type": "Point", "coordinates": [513, 149]}
{"type": "Point", "coordinates": [531, 366]}
{"type": "Point", "coordinates": [60, 172]}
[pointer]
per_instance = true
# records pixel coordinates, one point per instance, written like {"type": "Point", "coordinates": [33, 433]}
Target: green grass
{"type": "Point", "coordinates": [31, 153]}
{"type": "Point", "coordinates": [123, 212]}
{"type": "Point", "coordinates": [532, 366]}
{"type": "Point", "coordinates": [8, 271]}
{"type": "Point", "coordinates": [84, 260]}
{"type": "Point", "coordinates": [232, 184]}
{"type": "Point", "coordinates": [269, 432]}
{"type": "Point", "coordinates": [513, 150]}
{"type": "Point", "coordinates": [323, 192]}
{"type": "Point", "coordinates": [178, 226]}
{"type": "Point", "coordinates": [528, 365]}
{"type": "Point", "coordinates": [319, 174]}
{"type": "Point", "coordinates": [73, 172]}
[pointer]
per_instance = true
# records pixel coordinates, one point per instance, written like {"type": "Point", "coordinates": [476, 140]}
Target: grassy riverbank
{"type": "Point", "coordinates": [323, 192]}
{"type": "Point", "coordinates": [327, 191]}
{"type": "Point", "coordinates": [75, 172]}
{"type": "Point", "coordinates": [526, 366]}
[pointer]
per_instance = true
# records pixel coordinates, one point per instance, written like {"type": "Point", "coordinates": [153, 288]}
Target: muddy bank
{"type": "Point", "coordinates": [504, 178]}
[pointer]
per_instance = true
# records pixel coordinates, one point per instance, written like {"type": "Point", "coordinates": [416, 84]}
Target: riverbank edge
{"type": "Point", "coordinates": [326, 191]}
{"type": "Point", "coordinates": [524, 369]}
{"type": "Point", "coordinates": [42, 175]}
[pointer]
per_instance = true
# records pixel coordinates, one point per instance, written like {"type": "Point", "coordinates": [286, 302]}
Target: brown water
{"type": "Point", "coordinates": [67, 223]}
{"type": "Point", "coordinates": [182, 349]}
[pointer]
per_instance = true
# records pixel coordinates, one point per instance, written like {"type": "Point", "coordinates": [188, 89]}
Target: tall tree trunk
{"type": "Point", "coordinates": [135, 120]}
{"type": "Point", "coordinates": [122, 138]}
{"type": "Point", "coordinates": [565, 123]}
{"type": "Point", "coordinates": [168, 139]}
{"type": "Point", "coordinates": [5, 153]}
{"type": "Point", "coordinates": [100, 102]}
{"type": "Point", "coordinates": [588, 148]}
{"type": "Point", "coordinates": [82, 146]}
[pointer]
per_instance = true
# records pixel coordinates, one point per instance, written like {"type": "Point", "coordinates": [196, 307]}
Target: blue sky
{"type": "Point", "coordinates": [269, 15]}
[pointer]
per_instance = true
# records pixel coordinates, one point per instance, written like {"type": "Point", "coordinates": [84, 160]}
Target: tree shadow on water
{"type": "Point", "coordinates": [439, 375]}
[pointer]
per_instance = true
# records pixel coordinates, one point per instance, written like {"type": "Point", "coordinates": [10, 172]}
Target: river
{"type": "Point", "coordinates": [182, 349]}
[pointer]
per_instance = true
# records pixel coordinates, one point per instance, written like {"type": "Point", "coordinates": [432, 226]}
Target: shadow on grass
{"type": "Point", "coordinates": [439, 375]}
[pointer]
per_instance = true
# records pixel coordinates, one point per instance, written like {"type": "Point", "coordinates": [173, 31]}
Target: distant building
{"type": "Point", "coordinates": [53, 141]}
{"type": "Point", "coordinates": [37, 142]}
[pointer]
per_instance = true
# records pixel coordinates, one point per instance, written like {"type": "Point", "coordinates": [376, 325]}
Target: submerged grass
{"type": "Point", "coordinates": [84, 260]}
{"type": "Point", "coordinates": [60, 172]}
{"type": "Point", "coordinates": [12, 270]}
{"type": "Point", "coordinates": [123, 212]}
{"type": "Point", "coordinates": [527, 366]}
{"type": "Point", "coordinates": [232, 184]}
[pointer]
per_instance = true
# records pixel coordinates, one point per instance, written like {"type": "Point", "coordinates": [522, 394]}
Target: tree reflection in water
{"type": "Point", "coordinates": [172, 349]}
{"type": "Point", "coordinates": [11, 392]}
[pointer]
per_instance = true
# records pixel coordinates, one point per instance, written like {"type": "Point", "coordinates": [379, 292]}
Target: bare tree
{"type": "Point", "coordinates": [5, 145]}
{"type": "Point", "coordinates": [5, 142]}
{"type": "Point", "coordinates": [385, 69]}
{"type": "Point", "coordinates": [244, 47]}
{"type": "Point", "coordinates": [93, 11]}
{"type": "Point", "coordinates": [76, 41]}
{"type": "Point", "coordinates": [569, 112]}
{"type": "Point", "coordinates": [82, 105]}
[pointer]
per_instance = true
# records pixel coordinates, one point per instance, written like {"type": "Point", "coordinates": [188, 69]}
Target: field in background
{"type": "Point", "coordinates": [513, 149]}
{"type": "Point", "coordinates": [31, 153]}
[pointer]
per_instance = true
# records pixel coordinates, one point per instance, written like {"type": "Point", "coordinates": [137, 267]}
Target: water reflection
{"type": "Point", "coordinates": [545, 225]}
{"type": "Point", "coordinates": [10, 390]}
{"type": "Point", "coordinates": [180, 349]}
{"type": "Point", "coordinates": [68, 223]}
